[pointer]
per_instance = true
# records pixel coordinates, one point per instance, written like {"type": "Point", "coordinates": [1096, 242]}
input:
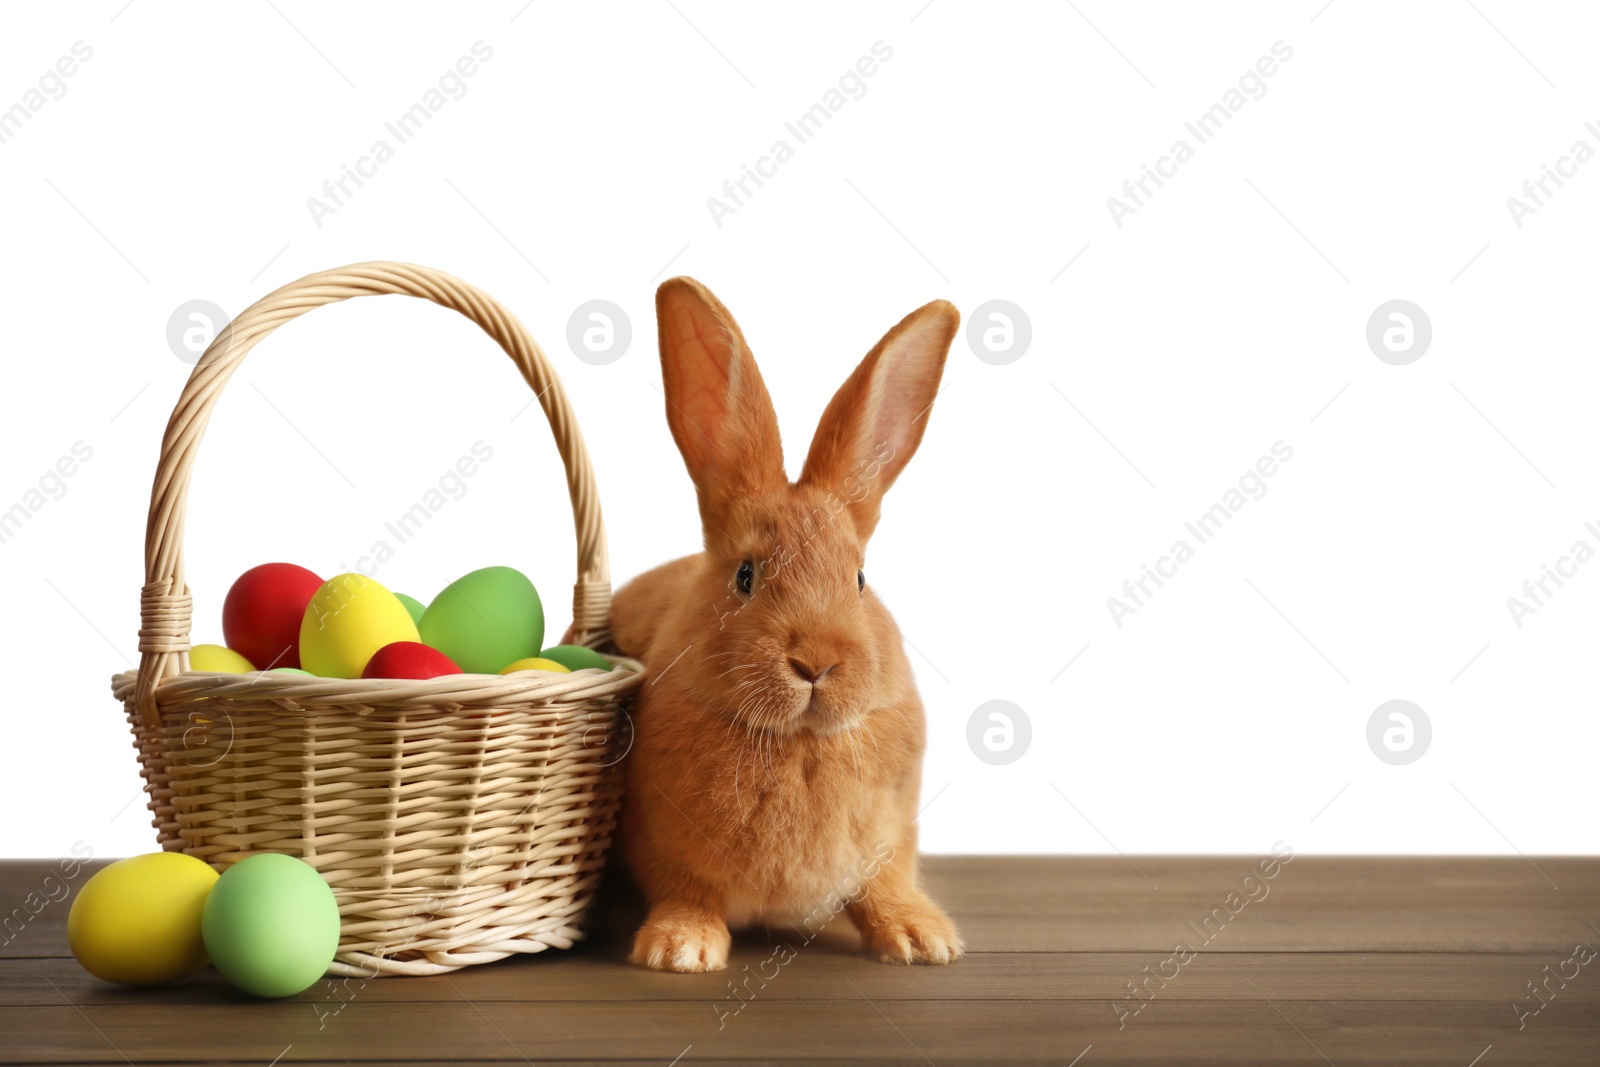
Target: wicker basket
{"type": "Point", "coordinates": [458, 819]}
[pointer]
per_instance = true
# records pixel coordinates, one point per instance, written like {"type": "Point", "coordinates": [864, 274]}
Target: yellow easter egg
{"type": "Point", "coordinates": [348, 620]}
{"type": "Point", "coordinates": [137, 922]}
{"type": "Point", "coordinates": [218, 659]}
{"type": "Point", "coordinates": [536, 663]}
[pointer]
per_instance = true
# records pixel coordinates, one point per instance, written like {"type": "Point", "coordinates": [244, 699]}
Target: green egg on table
{"type": "Point", "coordinates": [349, 618]}
{"type": "Point", "coordinates": [271, 925]}
{"type": "Point", "coordinates": [485, 620]}
{"type": "Point", "coordinates": [414, 606]}
{"type": "Point", "coordinates": [576, 657]}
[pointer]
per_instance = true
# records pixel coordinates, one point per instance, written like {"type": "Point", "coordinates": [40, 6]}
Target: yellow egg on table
{"type": "Point", "coordinates": [535, 663]}
{"type": "Point", "coordinates": [218, 659]}
{"type": "Point", "coordinates": [137, 922]}
{"type": "Point", "coordinates": [348, 620]}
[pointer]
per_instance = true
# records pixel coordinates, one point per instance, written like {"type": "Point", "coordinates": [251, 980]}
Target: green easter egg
{"type": "Point", "coordinates": [271, 925]}
{"type": "Point", "coordinates": [291, 670]}
{"type": "Point", "coordinates": [576, 657]}
{"type": "Point", "coordinates": [485, 620]}
{"type": "Point", "coordinates": [413, 605]}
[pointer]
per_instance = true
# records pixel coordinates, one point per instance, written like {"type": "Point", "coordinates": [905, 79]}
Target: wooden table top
{"type": "Point", "coordinates": [1339, 961]}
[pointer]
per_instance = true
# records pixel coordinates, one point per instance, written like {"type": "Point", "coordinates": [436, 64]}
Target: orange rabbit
{"type": "Point", "coordinates": [778, 743]}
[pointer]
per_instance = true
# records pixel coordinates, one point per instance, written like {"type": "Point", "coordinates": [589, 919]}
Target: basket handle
{"type": "Point", "coordinates": [164, 602]}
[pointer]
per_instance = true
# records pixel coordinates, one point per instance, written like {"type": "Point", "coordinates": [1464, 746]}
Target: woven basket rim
{"type": "Point", "coordinates": [409, 694]}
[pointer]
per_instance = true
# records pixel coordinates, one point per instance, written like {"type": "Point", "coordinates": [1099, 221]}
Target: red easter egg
{"type": "Point", "coordinates": [408, 659]}
{"type": "Point", "coordinates": [261, 616]}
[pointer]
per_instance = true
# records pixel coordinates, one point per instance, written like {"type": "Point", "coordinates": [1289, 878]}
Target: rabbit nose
{"type": "Point", "coordinates": [808, 673]}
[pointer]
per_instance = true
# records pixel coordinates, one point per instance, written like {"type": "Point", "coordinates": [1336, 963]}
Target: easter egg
{"type": "Point", "coordinates": [349, 618]}
{"type": "Point", "coordinates": [576, 657]}
{"type": "Point", "coordinates": [536, 663]}
{"type": "Point", "coordinates": [291, 670]}
{"type": "Point", "coordinates": [261, 615]}
{"type": "Point", "coordinates": [408, 659]}
{"type": "Point", "coordinates": [218, 659]}
{"type": "Point", "coordinates": [271, 925]}
{"type": "Point", "coordinates": [413, 605]}
{"type": "Point", "coordinates": [137, 922]}
{"type": "Point", "coordinates": [485, 620]}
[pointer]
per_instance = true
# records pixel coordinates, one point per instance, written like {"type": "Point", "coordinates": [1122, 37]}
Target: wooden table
{"type": "Point", "coordinates": [1341, 961]}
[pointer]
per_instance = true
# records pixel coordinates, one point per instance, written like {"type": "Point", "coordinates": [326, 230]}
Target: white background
{"type": "Point", "coordinates": [1227, 314]}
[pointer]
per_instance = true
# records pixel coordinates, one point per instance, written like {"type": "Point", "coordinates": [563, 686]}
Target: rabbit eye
{"type": "Point", "coordinates": [745, 577]}
{"type": "Point", "coordinates": [861, 581]}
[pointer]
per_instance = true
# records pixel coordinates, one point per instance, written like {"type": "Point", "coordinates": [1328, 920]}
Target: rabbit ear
{"type": "Point", "coordinates": [875, 421]}
{"type": "Point", "coordinates": [717, 404]}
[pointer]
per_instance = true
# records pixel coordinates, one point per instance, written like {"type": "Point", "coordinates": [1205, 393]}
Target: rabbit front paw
{"type": "Point", "coordinates": [686, 944]}
{"type": "Point", "coordinates": [919, 934]}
